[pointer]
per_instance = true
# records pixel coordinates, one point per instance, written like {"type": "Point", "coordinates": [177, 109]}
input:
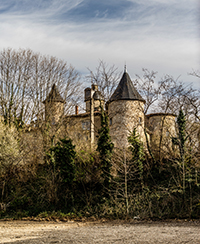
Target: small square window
{"type": "Point", "coordinates": [86, 125]}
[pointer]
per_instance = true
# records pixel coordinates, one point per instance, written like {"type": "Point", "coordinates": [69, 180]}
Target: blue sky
{"type": "Point", "coordinates": [160, 35]}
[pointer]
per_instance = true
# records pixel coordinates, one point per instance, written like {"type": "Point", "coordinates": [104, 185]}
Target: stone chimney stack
{"type": "Point", "coordinates": [94, 87]}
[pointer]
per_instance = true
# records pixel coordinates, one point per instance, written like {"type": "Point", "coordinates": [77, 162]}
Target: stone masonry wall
{"type": "Point", "coordinates": [162, 129]}
{"type": "Point", "coordinates": [78, 129]}
{"type": "Point", "coordinates": [125, 115]}
{"type": "Point", "coordinates": [54, 112]}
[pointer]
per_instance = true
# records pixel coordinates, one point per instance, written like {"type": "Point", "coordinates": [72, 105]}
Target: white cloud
{"type": "Point", "coordinates": [163, 39]}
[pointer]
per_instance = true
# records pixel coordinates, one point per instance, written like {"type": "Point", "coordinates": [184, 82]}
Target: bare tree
{"type": "Point", "coordinates": [167, 96]}
{"type": "Point", "coordinates": [106, 77]}
{"type": "Point", "coordinates": [195, 73]}
{"type": "Point", "coordinates": [195, 100]}
{"type": "Point", "coordinates": [26, 79]}
{"type": "Point", "coordinates": [148, 88]}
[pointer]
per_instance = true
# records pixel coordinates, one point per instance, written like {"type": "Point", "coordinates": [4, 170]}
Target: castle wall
{"type": "Point", "coordinates": [125, 115]}
{"type": "Point", "coordinates": [78, 129]}
{"type": "Point", "coordinates": [162, 129]}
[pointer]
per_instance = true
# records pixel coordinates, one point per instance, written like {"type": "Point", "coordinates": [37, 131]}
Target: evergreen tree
{"type": "Point", "coordinates": [181, 121]}
{"type": "Point", "coordinates": [62, 169]}
{"type": "Point", "coordinates": [62, 156]}
{"type": "Point", "coordinates": [181, 138]}
{"type": "Point", "coordinates": [105, 148]}
{"type": "Point", "coordinates": [180, 141]}
{"type": "Point", "coordinates": [137, 151]}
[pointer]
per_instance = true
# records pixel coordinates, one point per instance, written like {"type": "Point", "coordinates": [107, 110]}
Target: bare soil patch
{"type": "Point", "coordinates": [114, 232]}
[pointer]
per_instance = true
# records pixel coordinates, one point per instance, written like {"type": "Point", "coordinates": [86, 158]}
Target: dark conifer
{"type": "Point", "coordinates": [105, 148]}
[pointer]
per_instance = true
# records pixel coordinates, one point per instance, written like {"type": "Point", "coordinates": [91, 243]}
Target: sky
{"type": "Point", "coordinates": [159, 35]}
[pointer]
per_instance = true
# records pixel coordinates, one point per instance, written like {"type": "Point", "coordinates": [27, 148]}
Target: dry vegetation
{"type": "Point", "coordinates": [43, 175]}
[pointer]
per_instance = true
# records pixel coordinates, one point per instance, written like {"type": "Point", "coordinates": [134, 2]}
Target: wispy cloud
{"type": "Point", "coordinates": [157, 34]}
{"type": "Point", "coordinates": [128, 12]}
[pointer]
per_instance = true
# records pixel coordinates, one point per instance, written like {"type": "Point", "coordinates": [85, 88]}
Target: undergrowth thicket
{"type": "Point", "coordinates": [130, 183]}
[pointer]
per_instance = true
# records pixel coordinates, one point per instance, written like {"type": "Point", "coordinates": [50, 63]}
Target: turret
{"type": "Point", "coordinates": [126, 112]}
{"type": "Point", "coordinates": [161, 128]}
{"type": "Point", "coordinates": [96, 94]}
{"type": "Point", "coordinates": [54, 106]}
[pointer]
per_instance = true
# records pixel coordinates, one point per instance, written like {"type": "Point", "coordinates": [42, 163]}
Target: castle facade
{"type": "Point", "coordinates": [125, 110]}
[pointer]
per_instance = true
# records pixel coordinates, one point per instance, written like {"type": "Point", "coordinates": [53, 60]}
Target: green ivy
{"type": "Point", "coordinates": [105, 149]}
{"type": "Point", "coordinates": [62, 156]}
{"type": "Point", "coordinates": [137, 150]}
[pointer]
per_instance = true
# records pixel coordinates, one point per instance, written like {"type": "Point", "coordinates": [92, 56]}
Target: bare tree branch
{"type": "Point", "coordinates": [106, 77]}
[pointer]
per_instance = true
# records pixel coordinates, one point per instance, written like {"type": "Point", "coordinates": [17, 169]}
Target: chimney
{"type": "Point", "coordinates": [76, 109]}
{"type": "Point", "coordinates": [94, 87]}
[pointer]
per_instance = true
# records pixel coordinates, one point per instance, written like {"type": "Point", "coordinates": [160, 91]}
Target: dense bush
{"type": "Point", "coordinates": [70, 183]}
{"type": "Point", "coordinates": [32, 189]}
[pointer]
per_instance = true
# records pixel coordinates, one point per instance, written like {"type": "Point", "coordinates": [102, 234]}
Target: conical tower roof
{"type": "Point", "coordinates": [54, 95]}
{"type": "Point", "coordinates": [126, 90]}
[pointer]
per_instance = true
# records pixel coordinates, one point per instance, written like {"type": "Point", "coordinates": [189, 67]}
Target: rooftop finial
{"type": "Point", "coordinates": [91, 76]}
{"type": "Point", "coordinates": [125, 70]}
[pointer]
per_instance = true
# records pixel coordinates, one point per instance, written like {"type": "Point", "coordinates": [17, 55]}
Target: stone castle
{"type": "Point", "coordinates": [125, 110]}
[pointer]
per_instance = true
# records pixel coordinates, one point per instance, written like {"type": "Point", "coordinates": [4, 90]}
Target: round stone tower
{"type": "Point", "coordinates": [161, 128]}
{"type": "Point", "coordinates": [126, 112]}
{"type": "Point", "coordinates": [54, 106]}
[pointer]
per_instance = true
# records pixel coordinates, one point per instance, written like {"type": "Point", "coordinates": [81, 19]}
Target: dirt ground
{"type": "Point", "coordinates": [114, 232]}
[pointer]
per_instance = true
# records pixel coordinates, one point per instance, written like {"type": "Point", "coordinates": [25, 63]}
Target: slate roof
{"type": "Point", "coordinates": [126, 90]}
{"type": "Point", "coordinates": [54, 95]}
